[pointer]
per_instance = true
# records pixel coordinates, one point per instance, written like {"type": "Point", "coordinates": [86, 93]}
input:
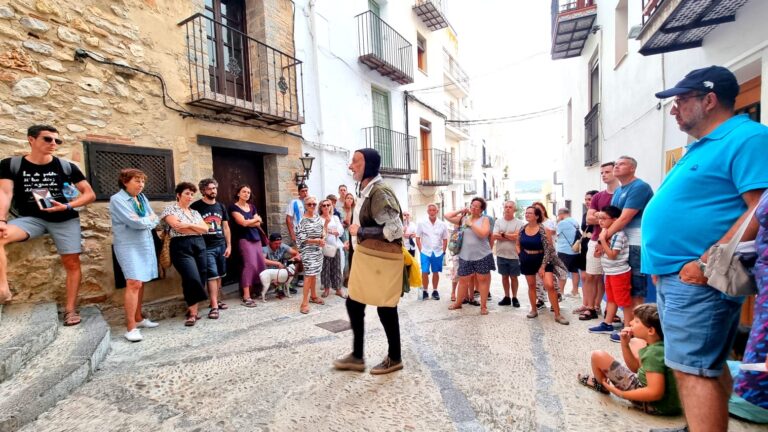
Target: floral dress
{"type": "Point", "coordinates": [753, 386]}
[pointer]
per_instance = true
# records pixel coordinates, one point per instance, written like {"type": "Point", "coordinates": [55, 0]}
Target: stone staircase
{"type": "Point", "coordinates": [42, 362]}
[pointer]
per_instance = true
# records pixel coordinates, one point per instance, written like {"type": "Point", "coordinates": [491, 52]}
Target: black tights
{"type": "Point", "coordinates": [388, 318]}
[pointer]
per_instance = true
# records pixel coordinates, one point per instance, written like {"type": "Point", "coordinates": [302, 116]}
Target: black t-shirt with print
{"type": "Point", "coordinates": [213, 215]}
{"type": "Point", "coordinates": [32, 176]}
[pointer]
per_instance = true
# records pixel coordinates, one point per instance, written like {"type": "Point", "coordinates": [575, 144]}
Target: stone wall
{"type": "Point", "coordinates": [42, 82]}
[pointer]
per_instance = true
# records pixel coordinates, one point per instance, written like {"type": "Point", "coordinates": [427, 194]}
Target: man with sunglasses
{"type": "Point", "coordinates": [35, 187]}
{"type": "Point", "coordinates": [702, 202]}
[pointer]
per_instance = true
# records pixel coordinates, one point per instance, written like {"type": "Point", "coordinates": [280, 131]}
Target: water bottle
{"type": "Point", "coordinates": [70, 193]}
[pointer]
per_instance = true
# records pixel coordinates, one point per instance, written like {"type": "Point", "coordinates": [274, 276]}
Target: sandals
{"type": "Point", "coordinates": [249, 303]}
{"type": "Point", "coordinates": [71, 318]}
{"type": "Point", "coordinates": [581, 309]}
{"type": "Point", "coordinates": [454, 306]}
{"type": "Point", "coordinates": [588, 315]}
{"type": "Point", "coordinates": [304, 309]}
{"type": "Point", "coordinates": [326, 293]}
{"type": "Point", "coordinates": [223, 306]}
{"type": "Point", "coordinates": [213, 314]}
{"type": "Point", "coordinates": [590, 382]}
{"type": "Point", "coordinates": [483, 311]}
{"type": "Point", "coordinates": [316, 300]}
{"type": "Point", "coordinates": [191, 319]}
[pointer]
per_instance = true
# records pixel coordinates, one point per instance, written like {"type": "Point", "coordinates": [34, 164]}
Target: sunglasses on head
{"type": "Point", "coordinates": [52, 139]}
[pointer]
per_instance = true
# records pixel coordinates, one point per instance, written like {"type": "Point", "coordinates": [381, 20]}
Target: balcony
{"type": "Point", "coordinates": [672, 25]}
{"type": "Point", "coordinates": [571, 25]}
{"type": "Point", "coordinates": [435, 168]}
{"type": "Point", "coordinates": [462, 170]}
{"type": "Point", "coordinates": [397, 150]}
{"type": "Point", "coordinates": [431, 13]}
{"type": "Point", "coordinates": [457, 124]}
{"type": "Point", "coordinates": [383, 49]}
{"type": "Point", "coordinates": [455, 79]}
{"type": "Point", "coordinates": [592, 136]}
{"type": "Point", "coordinates": [233, 73]}
{"type": "Point", "coordinates": [470, 188]}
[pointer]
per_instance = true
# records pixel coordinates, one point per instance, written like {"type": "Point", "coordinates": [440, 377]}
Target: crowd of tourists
{"type": "Point", "coordinates": [679, 239]}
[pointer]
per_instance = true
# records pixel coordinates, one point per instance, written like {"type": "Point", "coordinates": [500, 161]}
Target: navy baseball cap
{"type": "Point", "coordinates": [275, 237]}
{"type": "Point", "coordinates": [715, 79]}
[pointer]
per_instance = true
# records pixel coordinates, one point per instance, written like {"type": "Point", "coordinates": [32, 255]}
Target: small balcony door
{"type": "Point", "coordinates": [227, 48]}
{"type": "Point", "coordinates": [425, 134]}
{"type": "Point", "coordinates": [377, 33]}
{"type": "Point", "coordinates": [382, 137]}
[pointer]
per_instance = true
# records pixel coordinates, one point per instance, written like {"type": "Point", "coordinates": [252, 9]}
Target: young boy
{"type": "Point", "coordinates": [618, 274]}
{"type": "Point", "coordinates": [645, 380]}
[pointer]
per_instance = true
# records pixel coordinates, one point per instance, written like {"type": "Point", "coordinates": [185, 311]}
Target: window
{"type": "Point", "coordinates": [104, 161]}
{"type": "Point", "coordinates": [227, 48]}
{"type": "Point", "coordinates": [421, 52]}
{"type": "Point", "coordinates": [381, 121]}
{"type": "Point", "coordinates": [621, 32]}
{"type": "Point", "coordinates": [569, 120]}
{"type": "Point", "coordinates": [594, 83]}
{"type": "Point", "coordinates": [592, 120]}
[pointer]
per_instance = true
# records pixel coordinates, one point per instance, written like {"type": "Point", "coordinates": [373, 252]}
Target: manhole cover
{"type": "Point", "coordinates": [335, 326]}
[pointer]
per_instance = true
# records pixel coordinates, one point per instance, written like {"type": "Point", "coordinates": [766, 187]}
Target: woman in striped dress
{"type": "Point", "coordinates": [309, 237]}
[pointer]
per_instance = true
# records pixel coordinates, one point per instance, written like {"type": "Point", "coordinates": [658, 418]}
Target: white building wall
{"type": "Point", "coordinates": [632, 121]}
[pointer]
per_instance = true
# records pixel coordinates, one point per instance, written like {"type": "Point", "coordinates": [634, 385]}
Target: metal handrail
{"type": "Point", "coordinates": [397, 150]}
{"type": "Point", "coordinates": [575, 5]}
{"type": "Point", "coordinates": [436, 167]}
{"type": "Point", "coordinates": [228, 68]}
{"type": "Point", "coordinates": [649, 7]}
{"type": "Point", "coordinates": [454, 70]}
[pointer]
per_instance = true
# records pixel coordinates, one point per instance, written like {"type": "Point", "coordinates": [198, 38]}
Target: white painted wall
{"type": "Point", "coordinates": [631, 122]}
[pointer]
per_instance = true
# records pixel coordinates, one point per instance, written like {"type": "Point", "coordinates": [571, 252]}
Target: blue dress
{"type": "Point", "coordinates": [134, 247]}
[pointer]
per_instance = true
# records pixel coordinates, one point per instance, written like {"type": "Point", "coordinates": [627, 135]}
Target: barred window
{"type": "Point", "coordinates": [104, 162]}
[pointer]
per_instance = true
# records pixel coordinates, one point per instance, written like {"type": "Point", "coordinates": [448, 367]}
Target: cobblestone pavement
{"type": "Point", "coordinates": [269, 369]}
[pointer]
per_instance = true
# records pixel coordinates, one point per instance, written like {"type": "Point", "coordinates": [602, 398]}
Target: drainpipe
{"type": "Point", "coordinates": [407, 132]}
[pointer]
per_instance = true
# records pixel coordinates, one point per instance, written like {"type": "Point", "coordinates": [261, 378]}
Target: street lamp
{"type": "Point", "coordinates": [306, 163]}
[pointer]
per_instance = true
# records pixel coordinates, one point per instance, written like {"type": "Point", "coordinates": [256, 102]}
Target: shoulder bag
{"type": "Point", "coordinates": [165, 252]}
{"type": "Point", "coordinates": [456, 239]}
{"type": "Point", "coordinates": [724, 270]}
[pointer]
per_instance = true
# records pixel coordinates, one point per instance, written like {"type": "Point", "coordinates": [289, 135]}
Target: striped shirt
{"type": "Point", "coordinates": [619, 242]}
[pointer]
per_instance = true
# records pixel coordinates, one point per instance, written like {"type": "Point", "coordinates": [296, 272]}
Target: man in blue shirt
{"type": "Point", "coordinates": [702, 202]}
{"type": "Point", "coordinates": [631, 197]}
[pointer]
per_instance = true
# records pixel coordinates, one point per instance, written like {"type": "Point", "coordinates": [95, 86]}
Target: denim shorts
{"type": "Point", "coordinates": [66, 235]}
{"type": "Point", "coordinates": [434, 262]}
{"type": "Point", "coordinates": [508, 266]}
{"type": "Point", "coordinates": [699, 325]}
{"type": "Point", "coordinates": [217, 263]}
{"type": "Point", "coordinates": [639, 279]}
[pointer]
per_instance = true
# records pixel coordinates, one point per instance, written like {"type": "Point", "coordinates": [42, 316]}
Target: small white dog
{"type": "Point", "coordinates": [279, 278]}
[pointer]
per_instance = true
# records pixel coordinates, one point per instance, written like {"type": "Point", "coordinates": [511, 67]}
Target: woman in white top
{"type": "Point", "coordinates": [330, 276]}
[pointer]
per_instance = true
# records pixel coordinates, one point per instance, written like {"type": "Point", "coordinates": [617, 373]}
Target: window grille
{"type": "Point", "coordinates": [104, 162]}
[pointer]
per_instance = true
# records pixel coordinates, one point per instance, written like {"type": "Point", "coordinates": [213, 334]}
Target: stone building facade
{"type": "Point", "coordinates": [216, 101]}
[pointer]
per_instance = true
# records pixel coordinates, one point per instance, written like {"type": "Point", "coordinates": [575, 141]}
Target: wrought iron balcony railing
{"type": "Point", "coordinates": [470, 188]}
{"type": "Point", "coordinates": [452, 68]}
{"type": "Point", "coordinates": [383, 49]}
{"type": "Point", "coordinates": [592, 136]}
{"type": "Point", "coordinates": [431, 13]}
{"type": "Point", "coordinates": [457, 119]}
{"type": "Point", "coordinates": [461, 171]}
{"type": "Point", "coordinates": [232, 72]}
{"type": "Point", "coordinates": [436, 168]}
{"type": "Point", "coordinates": [397, 150]}
{"type": "Point", "coordinates": [571, 26]}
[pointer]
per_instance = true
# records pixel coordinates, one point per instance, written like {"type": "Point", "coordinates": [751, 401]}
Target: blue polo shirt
{"type": "Point", "coordinates": [634, 195]}
{"type": "Point", "coordinates": [700, 199]}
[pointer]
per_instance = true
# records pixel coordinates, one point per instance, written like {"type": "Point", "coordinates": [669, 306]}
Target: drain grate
{"type": "Point", "coordinates": [335, 326]}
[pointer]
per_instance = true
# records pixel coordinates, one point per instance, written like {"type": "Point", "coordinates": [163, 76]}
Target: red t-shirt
{"type": "Point", "coordinates": [602, 199]}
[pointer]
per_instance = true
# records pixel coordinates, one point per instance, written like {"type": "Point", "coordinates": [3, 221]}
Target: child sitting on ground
{"type": "Point", "coordinates": [645, 380]}
{"type": "Point", "coordinates": [618, 274]}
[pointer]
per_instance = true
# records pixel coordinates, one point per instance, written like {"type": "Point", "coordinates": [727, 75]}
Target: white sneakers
{"type": "Point", "coordinates": [134, 335]}
{"type": "Point", "coordinates": [146, 323]}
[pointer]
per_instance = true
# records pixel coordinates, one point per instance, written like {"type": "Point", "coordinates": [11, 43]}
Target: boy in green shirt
{"type": "Point", "coordinates": [645, 380]}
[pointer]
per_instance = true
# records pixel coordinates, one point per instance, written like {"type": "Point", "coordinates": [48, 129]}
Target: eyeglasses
{"type": "Point", "coordinates": [311, 204]}
{"type": "Point", "coordinates": [52, 139]}
{"type": "Point", "coordinates": [677, 100]}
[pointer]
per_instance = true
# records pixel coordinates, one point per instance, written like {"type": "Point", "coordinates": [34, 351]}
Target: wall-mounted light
{"type": "Point", "coordinates": [306, 163]}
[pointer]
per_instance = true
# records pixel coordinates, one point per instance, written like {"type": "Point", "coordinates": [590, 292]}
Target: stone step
{"type": "Point", "coordinates": [55, 372]}
{"type": "Point", "coordinates": [26, 329]}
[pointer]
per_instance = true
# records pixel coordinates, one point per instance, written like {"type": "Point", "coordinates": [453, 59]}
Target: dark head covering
{"type": "Point", "coordinates": [372, 162]}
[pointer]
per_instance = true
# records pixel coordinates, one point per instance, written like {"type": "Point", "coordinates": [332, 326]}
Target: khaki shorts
{"type": "Point", "coordinates": [594, 266]}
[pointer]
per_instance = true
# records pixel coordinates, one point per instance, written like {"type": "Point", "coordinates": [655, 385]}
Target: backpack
{"type": "Point", "coordinates": [66, 167]}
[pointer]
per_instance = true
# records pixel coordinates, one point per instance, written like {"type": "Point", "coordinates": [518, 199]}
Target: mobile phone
{"type": "Point", "coordinates": [44, 203]}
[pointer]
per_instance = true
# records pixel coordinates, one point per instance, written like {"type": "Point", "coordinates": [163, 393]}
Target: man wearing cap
{"type": "Point", "coordinates": [377, 266]}
{"type": "Point", "coordinates": [702, 202]}
{"type": "Point", "coordinates": [277, 255]}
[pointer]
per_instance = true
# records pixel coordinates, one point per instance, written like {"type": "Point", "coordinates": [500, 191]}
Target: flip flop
{"type": "Point", "coordinates": [590, 382]}
{"type": "Point", "coordinates": [316, 300]}
{"type": "Point", "coordinates": [71, 318]}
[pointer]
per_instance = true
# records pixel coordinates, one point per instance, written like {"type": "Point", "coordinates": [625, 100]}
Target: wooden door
{"type": "Point", "coordinates": [232, 168]}
{"type": "Point", "coordinates": [425, 133]}
{"type": "Point", "coordinates": [227, 48]}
